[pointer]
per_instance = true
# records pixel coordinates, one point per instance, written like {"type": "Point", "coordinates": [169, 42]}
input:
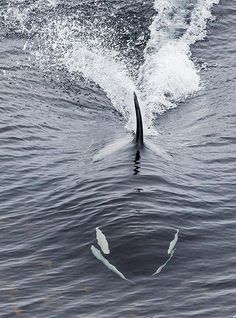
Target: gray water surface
{"type": "Point", "coordinates": [53, 195]}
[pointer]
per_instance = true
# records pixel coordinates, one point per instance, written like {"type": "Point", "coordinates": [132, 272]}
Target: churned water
{"type": "Point", "coordinates": [68, 70]}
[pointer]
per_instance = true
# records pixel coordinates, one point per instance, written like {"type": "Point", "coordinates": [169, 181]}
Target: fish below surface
{"type": "Point", "coordinates": [163, 218]}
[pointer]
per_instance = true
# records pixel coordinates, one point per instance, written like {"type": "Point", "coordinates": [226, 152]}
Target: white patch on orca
{"type": "Point", "coordinates": [170, 252]}
{"type": "Point", "coordinates": [102, 241]}
{"type": "Point", "coordinates": [162, 266]}
{"type": "Point", "coordinates": [99, 256]}
{"type": "Point", "coordinates": [173, 243]}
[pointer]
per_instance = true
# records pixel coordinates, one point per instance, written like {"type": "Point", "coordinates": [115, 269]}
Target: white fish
{"type": "Point", "coordinates": [162, 266]}
{"type": "Point", "coordinates": [173, 243]}
{"type": "Point", "coordinates": [102, 241]}
{"type": "Point", "coordinates": [99, 256]}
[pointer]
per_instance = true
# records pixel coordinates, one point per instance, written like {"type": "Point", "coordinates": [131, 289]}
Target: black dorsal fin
{"type": "Point", "coordinates": [139, 127]}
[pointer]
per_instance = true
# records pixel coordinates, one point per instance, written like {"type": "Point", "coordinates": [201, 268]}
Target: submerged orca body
{"type": "Point", "coordinates": [137, 142]}
{"type": "Point", "coordinates": [139, 124]}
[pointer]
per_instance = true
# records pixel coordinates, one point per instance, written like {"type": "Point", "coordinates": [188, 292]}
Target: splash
{"type": "Point", "coordinates": [167, 76]}
{"type": "Point", "coordinates": [198, 24]}
{"type": "Point", "coordinates": [68, 44]}
{"type": "Point", "coordinates": [106, 69]}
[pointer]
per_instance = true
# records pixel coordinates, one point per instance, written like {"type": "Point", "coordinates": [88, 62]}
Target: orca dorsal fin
{"type": "Point", "coordinates": [139, 123]}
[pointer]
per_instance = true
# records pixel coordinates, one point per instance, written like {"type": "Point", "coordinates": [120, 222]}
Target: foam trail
{"type": "Point", "coordinates": [99, 256]}
{"type": "Point", "coordinates": [105, 68]}
{"type": "Point", "coordinates": [168, 74]}
{"type": "Point", "coordinates": [63, 42]}
{"type": "Point", "coordinates": [199, 18]}
{"type": "Point", "coordinates": [102, 241]}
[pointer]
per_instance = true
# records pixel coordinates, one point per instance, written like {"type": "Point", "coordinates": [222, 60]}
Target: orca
{"type": "Point", "coordinates": [137, 141]}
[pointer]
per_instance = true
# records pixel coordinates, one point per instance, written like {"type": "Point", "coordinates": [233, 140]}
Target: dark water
{"type": "Point", "coordinates": [53, 195]}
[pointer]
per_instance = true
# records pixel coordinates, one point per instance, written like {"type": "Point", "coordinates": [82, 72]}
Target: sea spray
{"type": "Point", "coordinates": [168, 74]}
{"type": "Point", "coordinates": [173, 242]}
{"type": "Point", "coordinates": [61, 40]}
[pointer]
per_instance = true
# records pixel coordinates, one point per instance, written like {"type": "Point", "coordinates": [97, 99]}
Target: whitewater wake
{"type": "Point", "coordinates": [167, 75]}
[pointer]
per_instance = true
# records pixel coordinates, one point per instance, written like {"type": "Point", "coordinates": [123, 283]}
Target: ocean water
{"type": "Point", "coordinates": [68, 70]}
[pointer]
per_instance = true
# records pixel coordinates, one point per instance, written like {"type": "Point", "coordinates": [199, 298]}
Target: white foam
{"type": "Point", "coordinates": [197, 29]}
{"type": "Point", "coordinates": [106, 69]}
{"type": "Point", "coordinates": [89, 58]}
{"type": "Point", "coordinates": [167, 76]}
